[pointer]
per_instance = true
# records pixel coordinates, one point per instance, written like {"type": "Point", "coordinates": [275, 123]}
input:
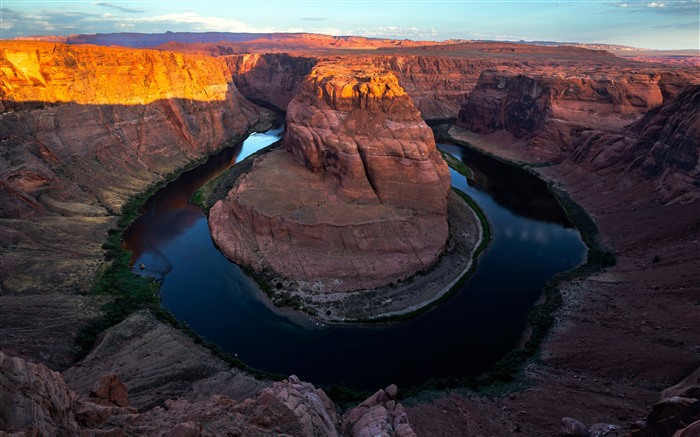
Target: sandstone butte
{"type": "Point", "coordinates": [358, 197]}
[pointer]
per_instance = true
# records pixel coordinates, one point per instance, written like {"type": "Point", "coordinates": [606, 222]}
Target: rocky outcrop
{"type": "Point", "coordinates": [438, 85]}
{"type": "Point", "coordinates": [34, 399]}
{"type": "Point", "coordinates": [37, 401]}
{"type": "Point", "coordinates": [666, 150]}
{"type": "Point", "coordinates": [661, 147]}
{"type": "Point", "coordinates": [359, 129]}
{"type": "Point", "coordinates": [83, 129]}
{"type": "Point", "coordinates": [549, 112]}
{"type": "Point", "coordinates": [379, 415]}
{"type": "Point", "coordinates": [358, 199]}
{"type": "Point", "coordinates": [271, 78]}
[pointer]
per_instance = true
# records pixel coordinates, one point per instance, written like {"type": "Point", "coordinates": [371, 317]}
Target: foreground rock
{"type": "Point", "coordinates": [357, 200]}
{"type": "Point", "coordinates": [205, 399]}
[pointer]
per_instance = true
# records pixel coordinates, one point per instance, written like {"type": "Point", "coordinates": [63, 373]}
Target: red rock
{"type": "Point", "coordinates": [273, 78]}
{"type": "Point", "coordinates": [111, 391]}
{"type": "Point", "coordinates": [551, 110]}
{"type": "Point", "coordinates": [379, 414]}
{"type": "Point", "coordinates": [34, 399]}
{"type": "Point", "coordinates": [363, 201]}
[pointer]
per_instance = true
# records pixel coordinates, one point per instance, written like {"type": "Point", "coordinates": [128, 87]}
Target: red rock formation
{"type": "Point", "coordinates": [555, 109]}
{"type": "Point", "coordinates": [37, 401]}
{"type": "Point", "coordinates": [438, 85]}
{"type": "Point", "coordinates": [272, 78]}
{"type": "Point", "coordinates": [92, 126]}
{"type": "Point", "coordinates": [124, 118]}
{"type": "Point", "coordinates": [367, 205]}
{"type": "Point", "coordinates": [34, 399]}
{"type": "Point", "coordinates": [667, 147]}
{"type": "Point", "coordinates": [662, 146]}
{"type": "Point", "coordinates": [380, 414]}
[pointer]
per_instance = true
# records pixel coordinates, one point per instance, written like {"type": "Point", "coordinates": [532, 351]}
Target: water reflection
{"type": "Point", "coordinates": [515, 189]}
{"type": "Point", "coordinates": [169, 214]}
{"type": "Point", "coordinates": [532, 240]}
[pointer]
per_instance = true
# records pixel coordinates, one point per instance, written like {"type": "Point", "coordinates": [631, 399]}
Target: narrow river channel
{"type": "Point", "coordinates": [532, 240]}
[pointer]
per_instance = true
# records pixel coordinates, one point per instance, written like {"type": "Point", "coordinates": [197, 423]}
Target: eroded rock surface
{"type": "Point", "coordinates": [551, 111]}
{"type": "Point", "coordinates": [37, 401]}
{"type": "Point", "coordinates": [379, 415]}
{"type": "Point", "coordinates": [83, 129]}
{"type": "Point", "coordinates": [357, 200]}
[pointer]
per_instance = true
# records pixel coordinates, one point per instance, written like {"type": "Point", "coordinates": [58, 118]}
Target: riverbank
{"type": "Point", "coordinates": [618, 337]}
{"type": "Point", "coordinates": [124, 291]}
{"type": "Point", "coordinates": [468, 236]}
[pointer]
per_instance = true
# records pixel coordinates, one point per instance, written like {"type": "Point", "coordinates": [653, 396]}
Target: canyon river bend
{"type": "Point", "coordinates": [531, 241]}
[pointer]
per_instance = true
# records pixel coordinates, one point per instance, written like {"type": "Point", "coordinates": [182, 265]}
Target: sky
{"type": "Point", "coordinates": [670, 24]}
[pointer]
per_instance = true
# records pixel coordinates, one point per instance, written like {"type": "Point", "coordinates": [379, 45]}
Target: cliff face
{"type": "Point", "coordinates": [359, 128]}
{"type": "Point", "coordinates": [109, 122]}
{"type": "Point", "coordinates": [551, 111]}
{"type": "Point", "coordinates": [84, 128]}
{"type": "Point", "coordinates": [272, 78]}
{"type": "Point", "coordinates": [438, 85]}
{"type": "Point", "coordinates": [662, 146]}
{"type": "Point", "coordinates": [360, 199]}
{"type": "Point", "coordinates": [46, 73]}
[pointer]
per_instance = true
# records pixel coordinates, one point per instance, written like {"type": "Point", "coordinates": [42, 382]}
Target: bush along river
{"type": "Point", "coordinates": [532, 240]}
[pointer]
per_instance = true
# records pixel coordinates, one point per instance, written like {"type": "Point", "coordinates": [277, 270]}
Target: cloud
{"type": "Point", "coordinates": [677, 7]}
{"type": "Point", "coordinates": [118, 8]}
{"type": "Point", "coordinates": [396, 32]}
{"type": "Point", "coordinates": [198, 22]}
{"type": "Point", "coordinates": [314, 18]}
{"type": "Point", "coordinates": [16, 23]}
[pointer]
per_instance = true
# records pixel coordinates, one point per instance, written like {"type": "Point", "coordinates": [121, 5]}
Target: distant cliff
{"type": "Point", "coordinates": [662, 146]}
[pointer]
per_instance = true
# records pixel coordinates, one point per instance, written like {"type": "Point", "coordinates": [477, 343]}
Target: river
{"type": "Point", "coordinates": [481, 322]}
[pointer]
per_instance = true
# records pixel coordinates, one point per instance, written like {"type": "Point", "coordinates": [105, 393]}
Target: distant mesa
{"type": "Point", "coordinates": [356, 199]}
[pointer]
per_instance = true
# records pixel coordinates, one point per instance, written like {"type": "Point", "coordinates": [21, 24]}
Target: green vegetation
{"type": "Point", "coordinates": [457, 165]}
{"type": "Point", "coordinates": [129, 292]}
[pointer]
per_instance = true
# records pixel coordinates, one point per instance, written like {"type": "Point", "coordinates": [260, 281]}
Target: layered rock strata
{"type": "Point", "coordinates": [357, 199]}
{"type": "Point", "coordinates": [209, 399]}
{"type": "Point", "coordinates": [82, 129]}
{"type": "Point", "coordinates": [272, 78]}
{"type": "Point", "coordinates": [549, 112]}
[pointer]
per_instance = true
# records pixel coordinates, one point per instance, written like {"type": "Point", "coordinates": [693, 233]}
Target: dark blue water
{"type": "Point", "coordinates": [463, 336]}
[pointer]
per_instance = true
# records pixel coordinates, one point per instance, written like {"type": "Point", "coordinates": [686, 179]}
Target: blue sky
{"type": "Point", "coordinates": [670, 24]}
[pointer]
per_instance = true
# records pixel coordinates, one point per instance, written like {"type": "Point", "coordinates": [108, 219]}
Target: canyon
{"type": "Point", "coordinates": [84, 128]}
